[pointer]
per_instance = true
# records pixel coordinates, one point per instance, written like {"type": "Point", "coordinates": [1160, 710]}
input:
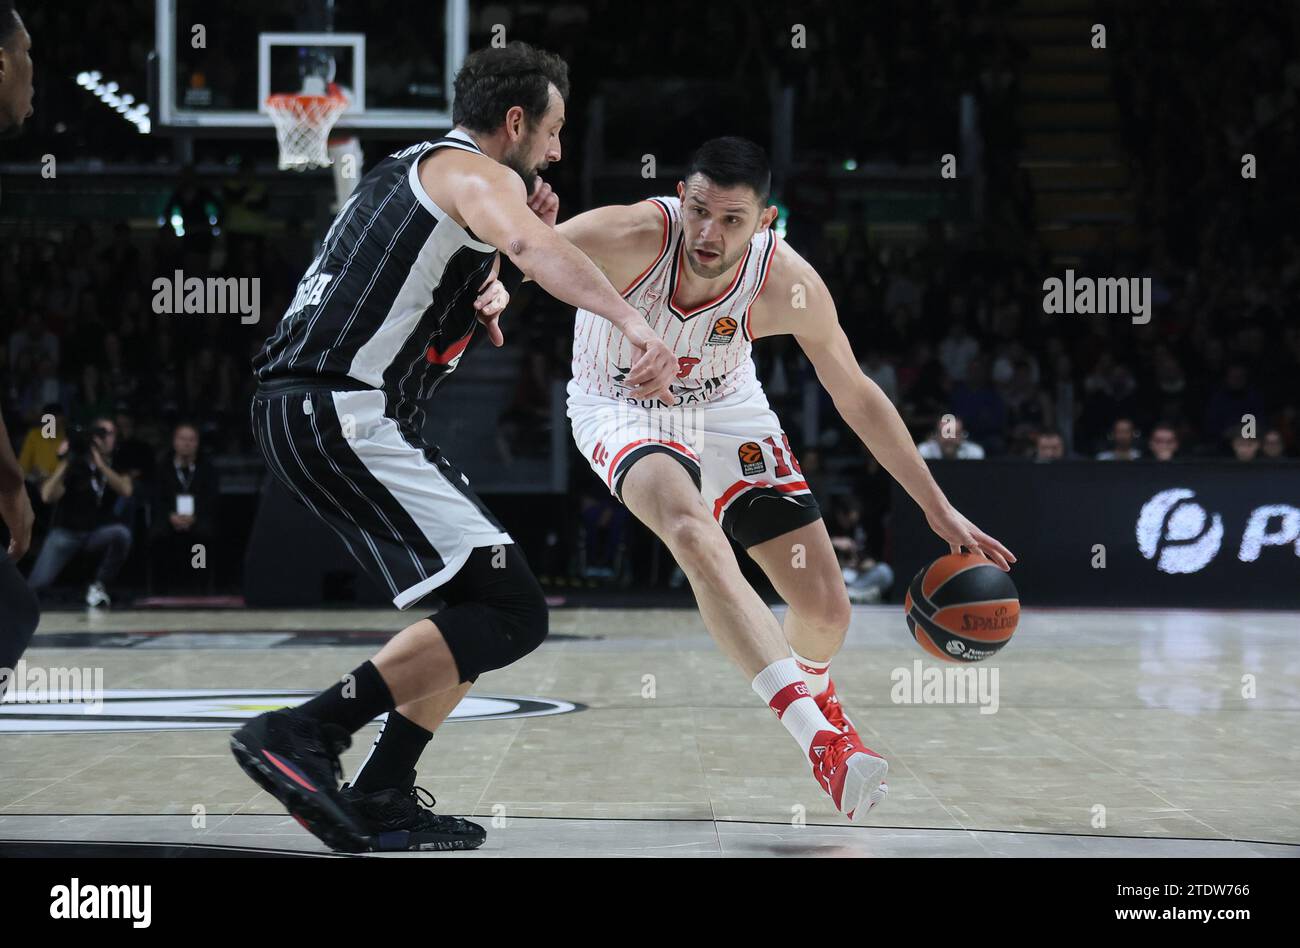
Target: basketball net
{"type": "Point", "coordinates": [303, 121]}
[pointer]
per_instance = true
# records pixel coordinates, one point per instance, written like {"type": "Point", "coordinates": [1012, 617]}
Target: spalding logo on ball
{"type": "Point", "coordinates": [962, 608]}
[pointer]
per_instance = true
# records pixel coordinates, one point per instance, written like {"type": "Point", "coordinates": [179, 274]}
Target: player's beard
{"type": "Point", "coordinates": [715, 271]}
{"type": "Point", "coordinates": [517, 161]}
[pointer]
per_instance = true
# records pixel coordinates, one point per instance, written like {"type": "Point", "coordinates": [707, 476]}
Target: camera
{"type": "Point", "coordinates": [80, 438]}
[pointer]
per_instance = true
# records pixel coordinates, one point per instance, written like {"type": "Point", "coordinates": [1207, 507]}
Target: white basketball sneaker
{"type": "Point", "coordinates": [97, 596]}
{"type": "Point", "coordinates": [851, 773]}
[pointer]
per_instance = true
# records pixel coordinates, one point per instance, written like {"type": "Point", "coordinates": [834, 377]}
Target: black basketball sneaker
{"type": "Point", "coordinates": [401, 819]}
{"type": "Point", "coordinates": [296, 759]}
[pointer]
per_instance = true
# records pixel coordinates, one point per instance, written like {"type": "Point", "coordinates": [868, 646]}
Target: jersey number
{"type": "Point", "coordinates": [685, 364]}
{"type": "Point", "coordinates": [782, 469]}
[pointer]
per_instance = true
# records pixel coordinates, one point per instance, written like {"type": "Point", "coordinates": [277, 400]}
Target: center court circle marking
{"type": "Point", "coordinates": [207, 709]}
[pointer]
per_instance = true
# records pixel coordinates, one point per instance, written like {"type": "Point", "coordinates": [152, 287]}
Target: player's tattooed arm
{"type": "Point", "coordinates": [797, 301]}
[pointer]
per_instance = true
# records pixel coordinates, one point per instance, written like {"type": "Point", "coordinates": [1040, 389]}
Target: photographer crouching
{"type": "Point", "coordinates": [87, 493]}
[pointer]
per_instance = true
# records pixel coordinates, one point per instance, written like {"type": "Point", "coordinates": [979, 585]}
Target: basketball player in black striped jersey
{"type": "Point", "coordinates": [407, 272]}
{"type": "Point", "coordinates": [688, 263]}
{"type": "Point", "coordinates": [19, 611]}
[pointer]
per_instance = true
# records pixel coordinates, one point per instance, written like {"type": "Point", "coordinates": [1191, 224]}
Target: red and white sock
{"type": "Point", "coordinates": [816, 675]}
{"type": "Point", "coordinates": [782, 686]}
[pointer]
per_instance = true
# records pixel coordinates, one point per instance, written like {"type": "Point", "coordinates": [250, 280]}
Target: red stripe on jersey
{"type": "Point", "coordinates": [663, 248]}
{"type": "Point", "coordinates": [740, 487]}
{"type": "Point", "coordinates": [767, 268]}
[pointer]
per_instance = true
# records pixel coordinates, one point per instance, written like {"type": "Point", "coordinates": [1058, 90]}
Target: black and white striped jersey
{"type": "Point", "coordinates": [388, 302]}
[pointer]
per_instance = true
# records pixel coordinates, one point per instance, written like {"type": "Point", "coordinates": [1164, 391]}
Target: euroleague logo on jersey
{"type": "Point", "coordinates": [724, 330]}
{"type": "Point", "coordinates": [751, 458]}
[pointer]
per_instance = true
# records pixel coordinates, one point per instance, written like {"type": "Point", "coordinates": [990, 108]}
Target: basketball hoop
{"type": "Point", "coordinates": [303, 124]}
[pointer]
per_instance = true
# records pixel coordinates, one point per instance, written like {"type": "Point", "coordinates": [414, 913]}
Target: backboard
{"type": "Point", "coordinates": [394, 59]}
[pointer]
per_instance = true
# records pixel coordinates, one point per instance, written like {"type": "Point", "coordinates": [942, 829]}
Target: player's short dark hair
{"type": "Point", "coordinates": [494, 80]}
{"type": "Point", "coordinates": [731, 160]}
{"type": "Point", "coordinates": [8, 21]}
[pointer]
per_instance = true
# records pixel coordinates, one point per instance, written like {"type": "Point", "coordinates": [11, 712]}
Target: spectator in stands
{"type": "Point", "coordinates": [1049, 446]}
{"type": "Point", "coordinates": [94, 399]}
{"type": "Point", "coordinates": [1010, 355]}
{"type": "Point", "coordinates": [35, 338]}
{"type": "Point", "coordinates": [1245, 449]}
{"type": "Point", "coordinates": [209, 383]}
{"type": "Point", "coordinates": [902, 289]}
{"type": "Point", "coordinates": [40, 388]}
{"type": "Point", "coordinates": [1170, 380]}
{"type": "Point", "coordinates": [193, 211]}
{"type": "Point", "coordinates": [1272, 447]}
{"type": "Point", "coordinates": [134, 456]}
{"type": "Point", "coordinates": [956, 351]}
{"type": "Point", "coordinates": [949, 442]}
{"type": "Point", "coordinates": [89, 498]}
{"type": "Point", "coordinates": [1234, 400]}
{"type": "Point", "coordinates": [1123, 442]}
{"type": "Point", "coordinates": [881, 371]}
{"type": "Point", "coordinates": [1163, 443]}
{"type": "Point", "coordinates": [1029, 408]}
{"type": "Point", "coordinates": [1113, 397]}
{"type": "Point", "coordinates": [866, 579]}
{"type": "Point", "coordinates": [922, 385]}
{"type": "Point", "coordinates": [980, 406]}
{"type": "Point", "coordinates": [39, 456]}
{"type": "Point", "coordinates": [121, 379]}
{"type": "Point", "coordinates": [186, 492]}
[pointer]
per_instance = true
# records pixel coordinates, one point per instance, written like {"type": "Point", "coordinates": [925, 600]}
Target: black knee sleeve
{"type": "Point", "coordinates": [495, 611]}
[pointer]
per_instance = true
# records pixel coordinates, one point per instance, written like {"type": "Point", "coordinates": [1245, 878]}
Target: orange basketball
{"type": "Point", "coordinates": [962, 608]}
{"type": "Point", "coordinates": [726, 326]}
{"type": "Point", "coordinates": [750, 452]}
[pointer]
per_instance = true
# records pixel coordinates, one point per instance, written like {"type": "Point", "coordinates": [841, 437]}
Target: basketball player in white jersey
{"type": "Point", "coordinates": [709, 275]}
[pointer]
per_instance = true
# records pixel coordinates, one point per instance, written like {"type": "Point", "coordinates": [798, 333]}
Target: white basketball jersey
{"type": "Point", "coordinates": [712, 341]}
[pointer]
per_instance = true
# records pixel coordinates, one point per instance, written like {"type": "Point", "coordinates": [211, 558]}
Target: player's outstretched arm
{"type": "Point", "coordinates": [619, 238]}
{"type": "Point", "coordinates": [494, 205]}
{"type": "Point", "coordinates": [859, 400]}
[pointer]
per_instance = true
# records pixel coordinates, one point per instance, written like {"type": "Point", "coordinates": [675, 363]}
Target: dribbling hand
{"type": "Point", "coordinates": [958, 532]}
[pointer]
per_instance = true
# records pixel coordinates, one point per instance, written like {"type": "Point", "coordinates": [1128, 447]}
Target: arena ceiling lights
{"type": "Point", "coordinates": [125, 104]}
